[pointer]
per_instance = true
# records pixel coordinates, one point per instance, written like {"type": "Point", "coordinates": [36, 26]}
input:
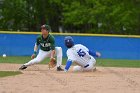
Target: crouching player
{"type": "Point", "coordinates": [46, 41]}
{"type": "Point", "coordinates": [81, 55]}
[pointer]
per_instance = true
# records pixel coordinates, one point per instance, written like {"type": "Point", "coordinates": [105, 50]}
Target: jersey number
{"type": "Point", "coordinates": [81, 53]}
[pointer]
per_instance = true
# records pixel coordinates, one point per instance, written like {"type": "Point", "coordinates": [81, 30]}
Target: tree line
{"type": "Point", "coordinates": [75, 16]}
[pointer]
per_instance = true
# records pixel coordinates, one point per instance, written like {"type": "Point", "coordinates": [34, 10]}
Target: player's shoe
{"type": "Point", "coordinates": [59, 69]}
{"type": "Point", "coordinates": [22, 67]}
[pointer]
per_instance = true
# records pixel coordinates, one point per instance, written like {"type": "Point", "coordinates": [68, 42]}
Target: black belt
{"type": "Point", "coordinates": [86, 65]}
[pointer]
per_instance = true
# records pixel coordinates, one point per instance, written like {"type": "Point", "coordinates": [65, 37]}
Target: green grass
{"type": "Point", "coordinates": [15, 59]}
{"type": "Point", "coordinates": [118, 63]}
{"type": "Point", "coordinates": [9, 73]}
{"type": "Point", "coordinates": [22, 59]}
{"type": "Point", "coordinates": [100, 62]}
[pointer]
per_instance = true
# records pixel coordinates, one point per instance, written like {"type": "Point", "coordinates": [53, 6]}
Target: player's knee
{"type": "Point", "coordinates": [89, 68]}
{"type": "Point", "coordinates": [77, 68]}
{"type": "Point", "coordinates": [38, 61]}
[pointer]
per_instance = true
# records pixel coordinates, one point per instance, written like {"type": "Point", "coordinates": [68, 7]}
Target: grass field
{"type": "Point", "coordinates": [9, 73]}
{"type": "Point", "coordinates": [100, 62]}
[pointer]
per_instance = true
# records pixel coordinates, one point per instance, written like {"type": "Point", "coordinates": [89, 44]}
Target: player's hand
{"type": "Point", "coordinates": [33, 56]}
{"type": "Point", "coordinates": [98, 54]}
{"type": "Point", "coordinates": [65, 70]}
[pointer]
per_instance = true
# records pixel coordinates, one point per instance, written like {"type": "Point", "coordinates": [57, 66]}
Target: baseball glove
{"type": "Point", "coordinates": [52, 63]}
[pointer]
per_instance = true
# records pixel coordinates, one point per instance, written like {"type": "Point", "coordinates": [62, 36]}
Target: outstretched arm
{"type": "Point", "coordinates": [94, 54]}
{"type": "Point", "coordinates": [68, 64]}
{"type": "Point", "coordinates": [35, 51]}
{"type": "Point", "coordinates": [35, 48]}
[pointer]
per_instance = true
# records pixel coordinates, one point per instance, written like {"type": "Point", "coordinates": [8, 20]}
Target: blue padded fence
{"type": "Point", "coordinates": [110, 47]}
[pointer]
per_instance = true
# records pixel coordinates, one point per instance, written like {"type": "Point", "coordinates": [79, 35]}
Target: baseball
{"type": "Point", "coordinates": [4, 55]}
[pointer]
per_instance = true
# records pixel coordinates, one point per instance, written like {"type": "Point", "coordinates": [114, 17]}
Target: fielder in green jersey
{"type": "Point", "coordinates": [46, 42]}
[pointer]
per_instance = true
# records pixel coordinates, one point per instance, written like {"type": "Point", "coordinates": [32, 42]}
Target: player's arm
{"type": "Point", "coordinates": [94, 54]}
{"type": "Point", "coordinates": [52, 53]}
{"type": "Point", "coordinates": [35, 51]}
{"type": "Point", "coordinates": [52, 40]}
{"type": "Point", "coordinates": [68, 64]}
{"type": "Point", "coordinates": [35, 48]}
{"type": "Point", "coordinates": [91, 52]}
{"type": "Point", "coordinates": [70, 60]}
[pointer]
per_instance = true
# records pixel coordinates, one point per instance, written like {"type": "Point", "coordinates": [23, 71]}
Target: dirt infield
{"type": "Point", "coordinates": [39, 79]}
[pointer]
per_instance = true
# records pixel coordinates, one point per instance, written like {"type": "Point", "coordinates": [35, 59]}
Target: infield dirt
{"type": "Point", "coordinates": [39, 79]}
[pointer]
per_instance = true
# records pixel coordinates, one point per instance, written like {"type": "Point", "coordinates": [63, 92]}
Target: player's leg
{"type": "Point", "coordinates": [90, 67]}
{"type": "Point", "coordinates": [91, 64]}
{"type": "Point", "coordinates": [77, 68]}
{"type": "Point", "coordinates": [59, 55]}
{"type": "Point", "coordinates": [40, 57]}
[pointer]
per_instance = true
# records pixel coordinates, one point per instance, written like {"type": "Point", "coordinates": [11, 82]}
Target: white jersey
{"type": "Point", "coordinates": [79, 54]}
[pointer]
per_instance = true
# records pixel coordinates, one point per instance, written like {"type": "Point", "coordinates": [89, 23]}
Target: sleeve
{"type": "Point", "coordinates": [68, 64]}
{"type": "Point", "coordinates": [70, 60]}
{"type": "Point", "coordinates": [92, 53]}
{"type": "Point", "coordinates": [52, 41]}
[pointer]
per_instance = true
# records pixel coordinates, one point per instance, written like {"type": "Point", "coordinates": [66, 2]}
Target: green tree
{"type": "Point", "coordinates": [116, 16]}
{"type": "Point", "coordinates": [13, 14]}
{"type": "Point", "coordinates": [30, 14]}
{"type": "Point", "coordinates": [82, 16]}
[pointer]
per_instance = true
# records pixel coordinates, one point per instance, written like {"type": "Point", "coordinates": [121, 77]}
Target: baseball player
{"type": "Point", "coordinates": [46, 42]}
{"type": "Point", "coordinates": [81, 55]}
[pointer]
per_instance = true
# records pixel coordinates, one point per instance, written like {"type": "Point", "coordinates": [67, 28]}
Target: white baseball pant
{"type": "Point", "coordinates": [91, 66]}
{"type": "Point", "coordinates": [44, 54]}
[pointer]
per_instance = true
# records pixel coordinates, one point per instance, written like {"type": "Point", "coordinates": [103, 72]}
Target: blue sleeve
{"type": "Point", "coordinates": [92, 53]}
{"type": "Point", "coordinates": [68, 64]}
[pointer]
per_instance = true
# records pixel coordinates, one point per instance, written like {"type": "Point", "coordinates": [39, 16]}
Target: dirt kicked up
{"type": "Point", "coordinates": [39, 79]}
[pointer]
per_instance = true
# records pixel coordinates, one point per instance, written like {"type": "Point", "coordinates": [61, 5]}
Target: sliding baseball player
{"type": "Point", "coordinates": [81, 55]}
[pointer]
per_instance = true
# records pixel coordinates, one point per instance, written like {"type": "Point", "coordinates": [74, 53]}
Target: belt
{"type": "Point", "coordinates": [86, 65]}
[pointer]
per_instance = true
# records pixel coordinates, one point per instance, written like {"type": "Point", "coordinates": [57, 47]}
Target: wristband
{"type": "Point", "coordinates": [35, 52]}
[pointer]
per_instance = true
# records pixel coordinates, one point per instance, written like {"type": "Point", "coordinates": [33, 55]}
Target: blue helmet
{"type": "Point", "coordinates": [69, 41]}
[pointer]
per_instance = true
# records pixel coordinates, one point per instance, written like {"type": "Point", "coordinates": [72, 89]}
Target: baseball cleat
{"type": "Point", "coordinates": [22, 67]}
{"type": "Point", "coordinates": [59, 69]}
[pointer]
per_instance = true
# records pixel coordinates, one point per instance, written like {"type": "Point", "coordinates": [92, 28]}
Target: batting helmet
{"type": "Point", "coordinates": [69, 42]}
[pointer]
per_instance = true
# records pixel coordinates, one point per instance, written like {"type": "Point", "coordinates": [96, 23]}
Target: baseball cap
{"type": "Point", "coordinates": [47, 27]}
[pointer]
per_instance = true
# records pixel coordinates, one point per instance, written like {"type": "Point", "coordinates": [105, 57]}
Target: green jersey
{"type": "Point", "coordinates": [46, 44]}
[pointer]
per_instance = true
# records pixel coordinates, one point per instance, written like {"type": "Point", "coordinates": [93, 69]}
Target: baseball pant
{"type": "Point", "coordinates": [44, 54]}
{"type": "Point", "coordinates": [90, 67]}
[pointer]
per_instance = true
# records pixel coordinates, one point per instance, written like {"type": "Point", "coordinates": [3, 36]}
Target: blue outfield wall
{"type": "Point", "coordinates": [109, 46]}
